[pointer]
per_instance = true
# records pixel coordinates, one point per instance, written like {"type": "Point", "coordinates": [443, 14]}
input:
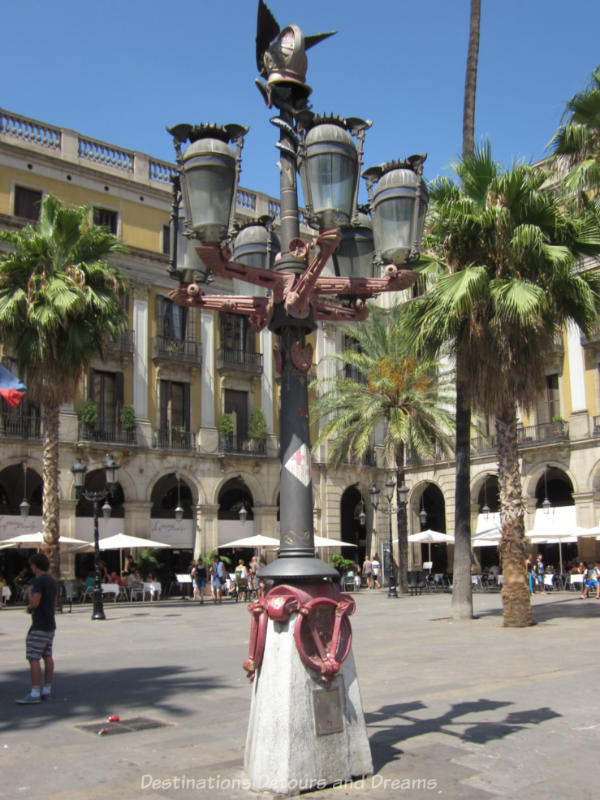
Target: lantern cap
{"type": "Point", "coordinates": [184, 132]}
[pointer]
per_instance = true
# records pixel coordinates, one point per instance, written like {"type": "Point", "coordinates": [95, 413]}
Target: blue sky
{"type": "Point", "coordinates": [121, 70]}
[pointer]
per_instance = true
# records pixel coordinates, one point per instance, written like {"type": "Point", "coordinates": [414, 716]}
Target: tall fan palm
{"type": "Point", "coordinates": [510, 250]}
{"type": "Point", "coordinates": [579, 140]}
{"type": "Point", "coordinates": [391, 386]}
{"type": "Point", "coordinates": [59, 299]}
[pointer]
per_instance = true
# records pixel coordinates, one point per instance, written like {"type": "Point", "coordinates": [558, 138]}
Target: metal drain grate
{"type": "Point", "coordinates": [123, 726]}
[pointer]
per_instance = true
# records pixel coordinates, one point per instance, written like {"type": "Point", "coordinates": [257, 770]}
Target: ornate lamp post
{"type": "Point", "coordinates": [110, 468]}
{"type": "Point", "coordinates": [24, 505]}
{"type": "Point", "coordinates": [178, 508]}
{"type": "Point", "coordinates": [374, 492]}
{"type": "Point", "coordinates": [327, 151]}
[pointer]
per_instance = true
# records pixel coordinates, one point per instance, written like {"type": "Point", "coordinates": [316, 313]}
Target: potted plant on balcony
{"type": "Point", "coordinates": [257, 429]}
{"type": "Point", "coordinates": [127, 420]}
{"type": "Point", "coordinates": [88, 417]}
{"type": "Point", "coordinates": [226, 429]}
{"type": "Point", "coordinates": [558, 425]}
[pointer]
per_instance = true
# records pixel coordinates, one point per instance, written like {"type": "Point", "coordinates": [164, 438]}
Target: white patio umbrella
{"type": "Point", "coordinates": [430, 537]}
{"type": "Point", "coordinates": [255, 542]}
{"type": "Point", "coordinates": [324, 541]}
{"type": "Point", "coordinates": [36, 540]}
{"type": "Point", "coordinates": [489, 538]}
{"type": "Point", "coordinates": [123, 541]}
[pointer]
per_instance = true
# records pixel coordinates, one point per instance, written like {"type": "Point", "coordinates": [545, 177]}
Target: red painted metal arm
{"type": "Point", "coordinates": [393, 281]}
{"type": "Point", "coordinates": [277, 282]}
{"type": "Point", "coordinates": [258, 309]}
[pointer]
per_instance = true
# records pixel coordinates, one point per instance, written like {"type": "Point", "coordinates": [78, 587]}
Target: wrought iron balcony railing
{"type": "Point", "coordinates": [543, 433]}
{"type": "Point", "coordinates": [20, 427]}
{"type": "Point", "coordinates": [183, 351]}
{"type": "Point", "coordinates": [120, 345]}
{"type": "Point", "coordinates": [174, 439]}
{"type": "Point", "coordinates": [242, 444]}
{"type": "Point", "coordinates": [107, 432]}
{"type": "Point", "coordinates": [239, 360]}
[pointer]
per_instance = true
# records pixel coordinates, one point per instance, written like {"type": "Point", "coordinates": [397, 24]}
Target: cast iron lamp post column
{"type": "Point", "coordinates": [390, 485]}
{"type": "Point", "coordinates": [95, 498]}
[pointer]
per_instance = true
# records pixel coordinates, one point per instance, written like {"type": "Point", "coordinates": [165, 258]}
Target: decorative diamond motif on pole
{"type": "Point", "coordinates": [299, 465]}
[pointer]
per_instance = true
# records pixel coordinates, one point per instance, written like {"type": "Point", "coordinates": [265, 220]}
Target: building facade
{"type": "Point", "coordinates": [179, 372]}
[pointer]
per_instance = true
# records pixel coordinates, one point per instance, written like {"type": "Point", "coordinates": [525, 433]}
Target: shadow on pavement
{"type": "Point", "coordinates": [394, 724]}
{"type": "Point", "coordinates": [569, 607]}
{"type": "Point", "coordinates": [93, 695]}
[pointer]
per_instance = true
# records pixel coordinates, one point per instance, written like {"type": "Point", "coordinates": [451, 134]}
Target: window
{"type": "Point", "coordinates": [174, 406]}
{"type": "Point", "coordinates": [237, 335]}
{"type": "Point", "coordinates": [173, 321]}
{"type": "Point", "coordinates": [236, 404]}
{"type": "Point", "coordinates": [107, 219]}
{"type": "Point", "coordinates": [166, 239]}
{"type": "Point", "coordinates": [27, 203]}
{"type": "Point", "coordinates": [549, 406]}
{"type": "Point", "coordinates": [106, 390]}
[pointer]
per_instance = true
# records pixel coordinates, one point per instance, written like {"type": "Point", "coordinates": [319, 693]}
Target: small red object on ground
{"type": "Point", "coordinates": [114, 718]}
{"type": "Point", "coordinates": [102, 732]}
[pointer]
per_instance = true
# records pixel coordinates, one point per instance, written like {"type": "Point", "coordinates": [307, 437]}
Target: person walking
{"type": "Point", "coordinates": [376, 567]}
{"type": "Point", "coordinates": [218, 577]}
{"type": "Point", "coordinates": [199, 578]}
{"type": "Point", "coordinates": [41, 604]}
{"type": "Point", "coordinates": [367, 571]}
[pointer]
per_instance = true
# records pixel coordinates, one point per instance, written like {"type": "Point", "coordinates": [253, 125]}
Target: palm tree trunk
{"type": "Point", "coordinates": [471, 80]}
{"type": "Point", "coordinates": [50, 500]}
{"type": "Point", "coordinates": [462, 589]}
{"type": "Point", "coordinates": [515, 591]}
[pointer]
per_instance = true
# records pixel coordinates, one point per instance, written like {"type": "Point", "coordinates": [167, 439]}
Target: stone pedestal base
{"type": "Point", "coordinates": [303, 734]}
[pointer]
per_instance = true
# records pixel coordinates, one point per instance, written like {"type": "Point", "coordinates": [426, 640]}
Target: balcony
{"type": "Point", "coordinates": [174, 439]}
{"type": "Point", "coordinates": [596, 426]}
{"type": "Point", "coordinates": [182, 351]}
{"type": "Point", "coordinates": [121, 345]}
{"type": "Point", "coordinates": [367, 459]}
{"type": "Point", "coordinates": [14, 426]}
{"type": "Point", "coordinates": [542, 434]}
{"type": "Point", "coordinates": [239, 361]}
{"type": "Point", "coordinates": [484, 444]}
{"type": "Point", "coordinates": [107, 432]}
{"type": "Point", "coordinates": [242, 444]}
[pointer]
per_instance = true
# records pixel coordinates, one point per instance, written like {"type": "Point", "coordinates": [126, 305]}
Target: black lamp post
{"type": "Point", "coordinates": [178, 507]}
{"type": "Point", "coordinates": [24, 505]}
{"type": "Point", "coordinates": [390, 485]}
{"type": "Point", "coordinates": [95, 498]}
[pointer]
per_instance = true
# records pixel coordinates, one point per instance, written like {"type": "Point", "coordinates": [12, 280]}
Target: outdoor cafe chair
{"type": "Point", "coordinates": [111, 588]}
{"type": "Point", "coordinates": [576, 581]}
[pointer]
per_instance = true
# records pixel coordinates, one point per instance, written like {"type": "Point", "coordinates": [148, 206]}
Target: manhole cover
{"type": "Point", "coordinates": [123, 726]}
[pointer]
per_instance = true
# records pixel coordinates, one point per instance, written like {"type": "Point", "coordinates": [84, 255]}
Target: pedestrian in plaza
{"type": "Point", "coordinates": [530, 573]}
{"type": "Point", "coordinates": [199, 578]}
{"type": "Point", "coordinates": [539, 573]}
{"type": "Point", "coordinates": [592, 582]}
{"type": "Point", "coordinates": [218, 577]}
{"type": "Point", "coordinates": [367, 570]}
{"type": "Point", "coordinates": [376, 566]}
{"type": "Point", "coordinates": [41, 604]}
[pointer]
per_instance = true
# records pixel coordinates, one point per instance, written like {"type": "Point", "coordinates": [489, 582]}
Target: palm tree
{"type": "Point", "coordinates": [578, 139]}
{"type": "Point", "coordinates": [509, 249]}
{"type": "Point", "coordinates": [59, 299]}
{"type": "Point", "coordinates": [462, 589]}
{"type": "Point", "coordinates": [390, 386]}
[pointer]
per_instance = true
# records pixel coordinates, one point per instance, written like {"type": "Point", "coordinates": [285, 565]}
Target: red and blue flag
{"type": "Point", "coordinates": [11, 388]}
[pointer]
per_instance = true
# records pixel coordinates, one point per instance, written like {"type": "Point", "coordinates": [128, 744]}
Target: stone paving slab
{"type": "Point", "coordinates": [466, 710]}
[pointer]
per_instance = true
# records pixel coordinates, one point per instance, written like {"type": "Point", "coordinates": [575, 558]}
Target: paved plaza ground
{"type": "Point", "coordinates": [464, 710]}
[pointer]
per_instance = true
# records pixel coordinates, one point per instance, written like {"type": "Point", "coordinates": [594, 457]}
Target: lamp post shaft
{"type": "Point", "coordinates": [392, 578]}
{"type": "Point", "coordinates": [98, 611]}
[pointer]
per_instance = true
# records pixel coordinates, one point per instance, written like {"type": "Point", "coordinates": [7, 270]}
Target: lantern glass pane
{"type": "Point", "coordinates": [210, 194]}
{"type": "Point", "coordinates": [392, 226]}
{"type": "Point", "coordinates": [354, 256]}
{"type": "Point", "coordinates": [331, 177]}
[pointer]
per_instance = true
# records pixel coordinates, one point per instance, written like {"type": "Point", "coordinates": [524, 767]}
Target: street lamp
{"type": "Point", "coordinates": [485, 508]}
{"type": "Point", "coordinates": [24, 505]}
{"type": "Point", "coordinates": [546, 504]}
{"type": "Point", "coordinates": [390, 485]}
{"type": "Point", "coordinates": [95, 498]}
{"type": "Point", "coordinates": [327, 152]}
{"type": "Point", "coordinates": [178, 507]}
{"type": "Point", "coordinates": [423, 514]}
